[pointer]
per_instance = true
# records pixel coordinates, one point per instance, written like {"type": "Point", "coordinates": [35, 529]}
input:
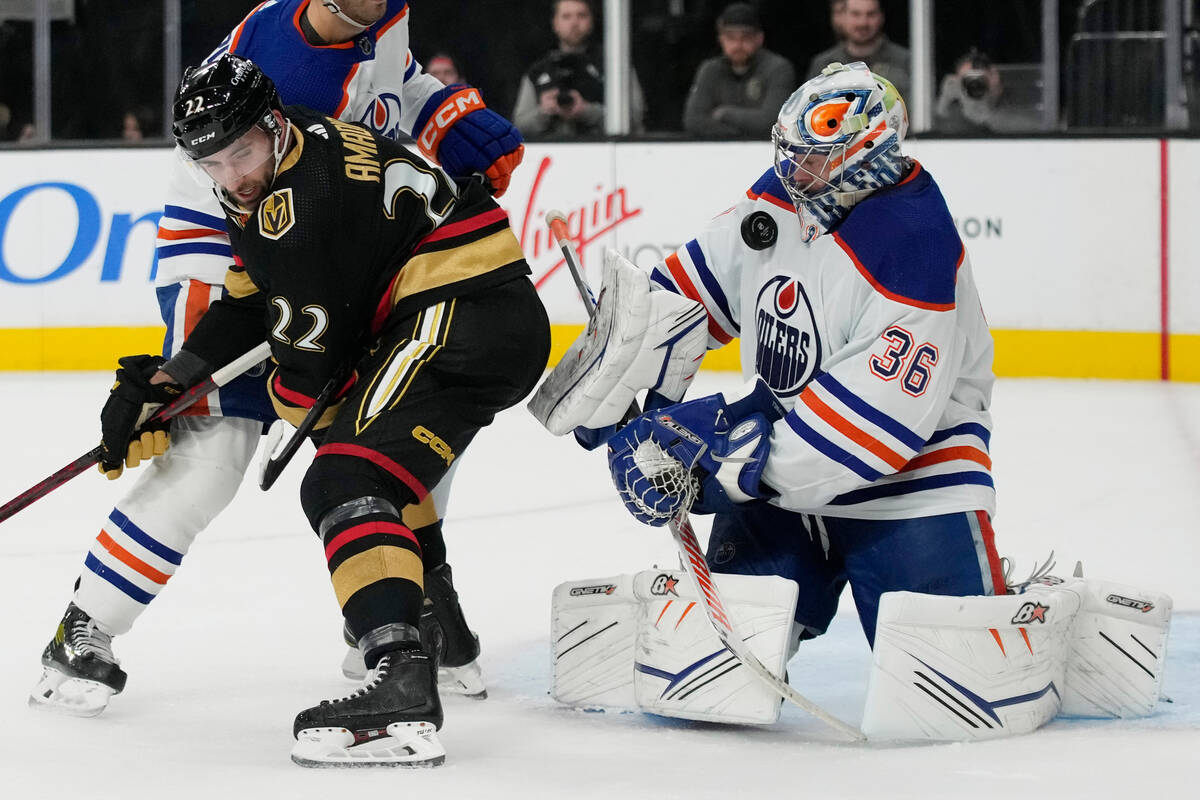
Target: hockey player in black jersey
{"type": "Point", "coordinates": [356, 258]}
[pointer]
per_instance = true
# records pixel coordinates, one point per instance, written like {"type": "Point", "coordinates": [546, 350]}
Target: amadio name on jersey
{"type": "Point", "coordinates": [788, 348]}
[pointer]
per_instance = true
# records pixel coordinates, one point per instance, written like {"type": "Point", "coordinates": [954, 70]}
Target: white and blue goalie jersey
{"type": "Point", "coordinates": [873, 338]}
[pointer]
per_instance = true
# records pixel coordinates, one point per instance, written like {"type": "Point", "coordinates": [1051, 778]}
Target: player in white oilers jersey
{"type": "Point", "coordinates": [350, 60]}
{"type": "Point", "coordinates": [859, 453]}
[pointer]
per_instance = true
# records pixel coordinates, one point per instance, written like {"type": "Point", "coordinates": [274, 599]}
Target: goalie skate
{"type": "Point", "coordinates": [80, 672]}
{"type": "Point", "coordinates": [391, 721]}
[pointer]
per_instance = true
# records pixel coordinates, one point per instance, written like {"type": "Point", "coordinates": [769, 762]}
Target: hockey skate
{"type": "Point", "coordinates": [391, 721]}
{"type": "Point", "coordinates": [444, 635]}
{"type": "Point", "coordinates": [80, 671]}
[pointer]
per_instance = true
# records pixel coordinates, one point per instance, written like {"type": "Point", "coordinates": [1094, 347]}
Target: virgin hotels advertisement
{"type": "Point", "coordinates": [1056, 241]}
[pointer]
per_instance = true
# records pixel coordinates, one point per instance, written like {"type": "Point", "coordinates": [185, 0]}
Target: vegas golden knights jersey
{"type": "Point", "coordinates": [356, 233]}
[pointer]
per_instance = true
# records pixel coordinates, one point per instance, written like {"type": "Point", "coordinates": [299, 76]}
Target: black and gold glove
{"type": "Point", "coordinates": [126, 440]}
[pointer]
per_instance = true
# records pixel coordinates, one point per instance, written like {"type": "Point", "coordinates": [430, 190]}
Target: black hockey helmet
{"type": "Point", "coordinates": [219, 102]}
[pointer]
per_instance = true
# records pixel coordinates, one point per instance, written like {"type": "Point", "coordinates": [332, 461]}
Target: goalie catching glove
{"type": "Point", "coordinates": [706, 455]}
{"type": "Point", "coordinates": [132, 400]}
{"type": "Point", "coordinates": [466, 137]}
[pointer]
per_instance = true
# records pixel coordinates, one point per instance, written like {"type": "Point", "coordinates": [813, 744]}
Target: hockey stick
{"type": "Point", "coordinates": [693, 560]}
{"type": "Point", "coordinates": [557, 221]}
{"type": "Point", "coordinates": [274, 466]}
{"type": "Point", "coordinates": [218, 379]}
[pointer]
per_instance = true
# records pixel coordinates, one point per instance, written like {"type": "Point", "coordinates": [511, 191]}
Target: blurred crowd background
{"type": "Point", "coordinates": [1122, 66]}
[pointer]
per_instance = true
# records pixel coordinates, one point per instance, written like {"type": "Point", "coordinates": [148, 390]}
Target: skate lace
{"type": "Point", "coordinates": [1039, 574]}
{"type": "Point", "coordinates": [373, 679]}
{"type": "Point", "coordinates": [87, 639]}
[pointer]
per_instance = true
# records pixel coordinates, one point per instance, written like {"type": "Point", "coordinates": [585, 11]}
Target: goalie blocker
{"type": "Point", "coordinates": [943, 668]}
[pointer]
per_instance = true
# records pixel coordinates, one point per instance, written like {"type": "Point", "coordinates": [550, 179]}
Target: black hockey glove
{"type": "Point", "coordinates": [131, 401]}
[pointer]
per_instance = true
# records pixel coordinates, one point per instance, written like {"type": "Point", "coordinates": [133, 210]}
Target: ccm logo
{"type": "Point", "coordinates": [456, 105]}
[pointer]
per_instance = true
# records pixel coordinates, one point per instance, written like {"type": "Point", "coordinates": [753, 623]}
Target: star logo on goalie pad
{"type": "Point", "coordinates": [664, 584]}
{"type": "Point", "coordinates": [1029, 613]}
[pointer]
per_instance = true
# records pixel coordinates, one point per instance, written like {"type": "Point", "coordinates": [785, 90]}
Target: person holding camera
{"type": "Point", "coordinates": [739, 92]}
{"type": "Point", "coordinates": [972, 100]}
{"type": "Point", "coordinates": [858, 25]}
{"type": "Point", "coordinates": [562, 94]}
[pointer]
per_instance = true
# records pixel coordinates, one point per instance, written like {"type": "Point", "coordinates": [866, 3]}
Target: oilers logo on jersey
{"type": "Point", "coordinates": [382, 115]}
{"type": "Point", "coordinates": [788, 346]}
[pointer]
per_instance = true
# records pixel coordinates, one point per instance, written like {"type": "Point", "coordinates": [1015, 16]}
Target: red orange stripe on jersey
{"type": "Point", "coordinates": [879, 287]}
{"type": "Point", "coordinates": [345, 101]}
{"type": "Point", "coordinates": [237, 32]}
{"type": "Point", "coordinates": [675, 267]}
{"type": "Point", "coordinates": [852, 432]}
{"type": "Point", "coordinates": [949, 454]}
{"type": "Point", "coordinates": [188, 233]}
{"type": "Point", "coordinates": [463, 226]}
{"type": "Point", "coordinates": [399, 16]}
{"type": "Point", "coordinates": [770, 198]}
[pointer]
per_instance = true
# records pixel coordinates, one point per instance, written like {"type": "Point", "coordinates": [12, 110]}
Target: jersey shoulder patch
{"type": "Point", "coordinates": [769, 189]}
{"type": "Point", "coordinates": [904, 243]}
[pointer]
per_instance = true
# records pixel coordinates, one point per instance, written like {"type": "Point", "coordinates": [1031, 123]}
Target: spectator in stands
{"type": "Point", "coordinates": [137, 124]}
{"type": "Point", "coordinates": [858, 25]}
{"type": "Point", "coordinates": [562, 94]}
{"type": "Point", "coordinates": [445, 68]}
{"type": "Point", "coordinates": [739, 92]}
{"type": "Point", "coordinates": [972, 100]}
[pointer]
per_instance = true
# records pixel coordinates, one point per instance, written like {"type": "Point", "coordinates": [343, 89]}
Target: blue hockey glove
{"type": "Point", "coordinates": [707, 455]}
{"type": "Point", "coordinates": [466, 137]}
{"type": "Point", "coordinates": [591, 438]}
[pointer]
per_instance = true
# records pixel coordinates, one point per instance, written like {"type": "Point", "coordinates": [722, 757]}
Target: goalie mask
{"type": "Point", "coordinates": [837, 139]}
{"type": "Point", "coordinates": [225, 123]}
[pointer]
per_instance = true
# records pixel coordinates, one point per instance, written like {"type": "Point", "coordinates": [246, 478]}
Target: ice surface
{"type": "Point", "coordinates": [248, 632]}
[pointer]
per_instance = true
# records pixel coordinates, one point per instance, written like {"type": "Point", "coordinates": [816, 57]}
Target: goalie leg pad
{"type": "Point", "coordinates": [643, 642]}
{"type": "Point", "coordinates": [681, 667]}
{"type": "Point", "coordinates": [593, 629]}
{"type": "Point", "coordinates": [1118, 650]}
{"type": "Point", "coordinates": [638, 339]}
{"type": "Point", "coordinates": [962, 668]}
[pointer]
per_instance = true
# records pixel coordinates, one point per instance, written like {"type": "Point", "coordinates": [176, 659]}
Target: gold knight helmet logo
{"type": "Point", "coordinates": [275, 216]}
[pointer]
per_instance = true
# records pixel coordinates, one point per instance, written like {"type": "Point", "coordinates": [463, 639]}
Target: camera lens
{"type": "Point", "coordinates": [975, 85]}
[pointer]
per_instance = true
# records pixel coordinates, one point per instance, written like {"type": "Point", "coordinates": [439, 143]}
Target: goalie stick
{"type": "Point", "coordinates": [690, 551]}
{"type": "Point", "coordinates": [218, 379]}
{"type": "Point", "coordinates": [693, 560]}
{"type": "Point", "coordinates": [557, 222]}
